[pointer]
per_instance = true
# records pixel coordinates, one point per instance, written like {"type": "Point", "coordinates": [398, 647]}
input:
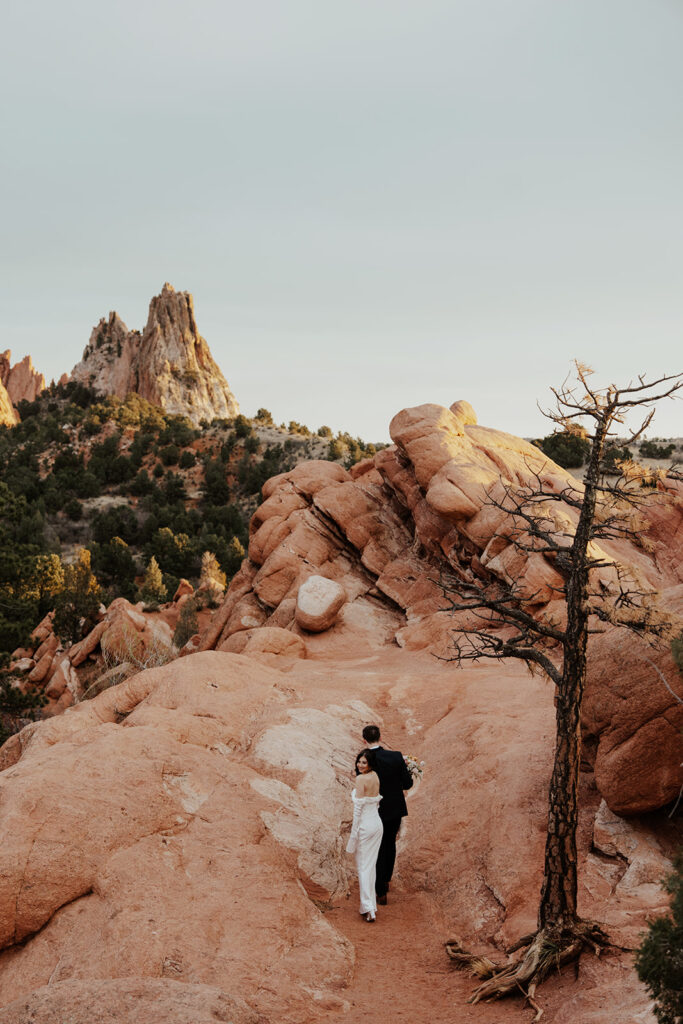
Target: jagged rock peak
{"type": "Point", "coordinates": [171, 309]}
{"type": "Point", "coordinates": [22, 381]}
{"type": "Point", "coordinates": [169, 364]}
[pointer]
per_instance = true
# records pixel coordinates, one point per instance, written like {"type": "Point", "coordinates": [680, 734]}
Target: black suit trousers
{"type": "Point", "coordinates": [387, 855]}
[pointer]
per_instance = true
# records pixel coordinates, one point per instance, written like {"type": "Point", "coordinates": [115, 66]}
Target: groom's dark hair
{"type": "Point", "coordinates": [371, 734]}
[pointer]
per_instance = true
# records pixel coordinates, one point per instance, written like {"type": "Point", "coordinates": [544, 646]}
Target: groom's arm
{"type": "Point", "coordinates": [406, 777]}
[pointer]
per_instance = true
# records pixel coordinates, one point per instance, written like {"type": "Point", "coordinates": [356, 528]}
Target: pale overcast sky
{"type": "Point", "coordinates": [376, 203]}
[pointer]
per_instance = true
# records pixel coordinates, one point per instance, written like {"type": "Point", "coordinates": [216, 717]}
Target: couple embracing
{"type": "Point", "coordinates": [378, 807]}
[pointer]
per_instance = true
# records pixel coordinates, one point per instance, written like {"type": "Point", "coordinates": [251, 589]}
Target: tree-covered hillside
{"type": "Point", "coordinates": [130, 485]}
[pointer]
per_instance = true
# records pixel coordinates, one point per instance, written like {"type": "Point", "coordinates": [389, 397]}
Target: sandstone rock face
{"type": "Point", "coordinates": [192, 868]}
{"type": "Point", "coordinates": [632, 720]}
{"type": "Point", "coordinates": [318, 602]}
{"type": "Point", "coordinates": [8, 414]}
{"type": "Point", "coordinates": [21, 381]}
{"type": "Point", "coordinates": [128, 1002]}
{"type": "Point", "coordinates": [169, 364]}
{"type": "Point", "coordinates": [386, 532]}
{"type": "Point", "coordinates": [626, 881]}
{"type": "Point", "coordinates": [164, 859]}
{"type": "Point", "coordinates": [124, 640]}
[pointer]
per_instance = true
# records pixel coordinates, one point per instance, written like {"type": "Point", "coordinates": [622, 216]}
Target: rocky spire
{"type": "Point", "coordinates": [169, 364]}
{"type": "Point", "coordinates": [21, 381]}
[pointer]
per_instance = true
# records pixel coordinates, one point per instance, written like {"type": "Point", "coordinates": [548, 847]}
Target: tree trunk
{"type": "Point", "coordinates": [557, 908]}
{"type": "Point", "coordinates": [558, 894]}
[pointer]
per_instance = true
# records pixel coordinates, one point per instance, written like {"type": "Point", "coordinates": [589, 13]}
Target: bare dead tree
{"type": "Point", "coordinates": [566, 526]}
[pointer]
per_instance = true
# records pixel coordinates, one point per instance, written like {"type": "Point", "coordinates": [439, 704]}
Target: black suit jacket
{"type": "Point", "coordinates": [394, 777]}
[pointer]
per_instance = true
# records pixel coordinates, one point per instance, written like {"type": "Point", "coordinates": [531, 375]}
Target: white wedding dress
{"type": "Point", "coordinates": [366, 835]}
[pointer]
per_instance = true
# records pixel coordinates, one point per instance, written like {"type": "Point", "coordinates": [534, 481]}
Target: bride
{"type": "Point", "coordinates": [366, 831]}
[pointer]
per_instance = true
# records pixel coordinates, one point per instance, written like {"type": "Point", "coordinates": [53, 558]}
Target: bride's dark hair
{"type": "Point", "coordinates": [370, 756]}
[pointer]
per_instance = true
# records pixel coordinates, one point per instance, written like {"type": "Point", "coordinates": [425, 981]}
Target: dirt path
{"type": "Point", "coordinates": [402, 973]}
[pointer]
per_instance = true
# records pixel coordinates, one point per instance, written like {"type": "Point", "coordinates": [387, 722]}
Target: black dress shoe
{"type": "Point", "coordinates": [382, 900]}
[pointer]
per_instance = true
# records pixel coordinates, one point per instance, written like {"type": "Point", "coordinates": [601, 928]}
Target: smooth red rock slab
{"type": "Point", "coordinates": [128, 1001]}
{"type": "Point", "coordinates": [155, 855]}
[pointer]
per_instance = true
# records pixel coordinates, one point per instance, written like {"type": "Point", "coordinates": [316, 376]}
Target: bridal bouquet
{"type": "Point", "coordinates": [414, 766]}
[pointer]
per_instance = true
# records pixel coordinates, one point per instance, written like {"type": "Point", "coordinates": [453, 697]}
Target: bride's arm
{"type": "Point", "coordinates": [358, 809]}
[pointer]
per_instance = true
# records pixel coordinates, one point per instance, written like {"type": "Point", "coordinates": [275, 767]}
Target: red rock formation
{"type": "Point", "coordinates": [21, 381]}
{"type": "Point", "coordinates": [387, 529]}
{"type": "Point", "coordinates": [169, 364]}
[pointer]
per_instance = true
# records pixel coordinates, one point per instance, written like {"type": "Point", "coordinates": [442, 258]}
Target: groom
{"type": "Point", "coordinates": [394, 777]}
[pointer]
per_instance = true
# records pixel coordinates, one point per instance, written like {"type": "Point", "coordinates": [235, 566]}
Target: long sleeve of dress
{"type": "Point", "coordinates": [358, 807]}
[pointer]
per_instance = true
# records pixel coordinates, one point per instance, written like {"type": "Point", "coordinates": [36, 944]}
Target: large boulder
{"type": "Point", "coordinates": [318, 603]}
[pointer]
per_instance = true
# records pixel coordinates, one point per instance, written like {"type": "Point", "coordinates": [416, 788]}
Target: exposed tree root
{"type": "Point", "coordinates": [547, 950]}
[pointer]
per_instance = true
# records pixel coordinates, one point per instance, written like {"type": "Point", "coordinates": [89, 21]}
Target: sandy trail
{"type": "Point", "coordinates": [402, 972]}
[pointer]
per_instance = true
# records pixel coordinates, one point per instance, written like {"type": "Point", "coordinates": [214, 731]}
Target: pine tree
{"type": "Point", "coordinates": [603, 511]}
{"type": "Point", "coordinates": [659, 961]}
{"type": "Point", "coordinates": [153, 591]}
{"type": "Point", "coordinates": [77, 604]}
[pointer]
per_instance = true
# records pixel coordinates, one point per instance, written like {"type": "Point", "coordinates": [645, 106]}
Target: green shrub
{"type": "Point", "coordinates": [216, 488]}
{"type": "Point", "coordinates": [117, 521]}
{"type": "Point", "coordinates": [235, 556]}
{"type": "Point", "coordinates": [174, 488]}
{"type": "Point", "coordinates": [567, 449]}
{"type": "Point", "coordinates": [16, 707]}
{"type": "Point", "coordinates": [187, 459]}
{"type": "Point", "coordinates": [170, 455]}
{"type": "Point", "coordinates": [264, 416]}
{"type": "Point", "coordinates": [651, 450]}
{"type": "Point", "coordinates": [142, 484]}
{"type": "Point", "coordinates": [114, 566]}
{"type": "Point", "coordinates": [179, 431]}
{"type": "Point", "coordinates": [659, 961]}
{"type": "Point", "coordinates": [677, 652]}
{"type": "Point", "coordinates": [613, 456]}
{"type": "Point", "coordinates": [187, 624]}
{"type": "Point", "coordinates": [242, 426]}
{"type": "Point", "coordinates": [74, 509]}
{"type": "Point", "coordinates": [174, 552]}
